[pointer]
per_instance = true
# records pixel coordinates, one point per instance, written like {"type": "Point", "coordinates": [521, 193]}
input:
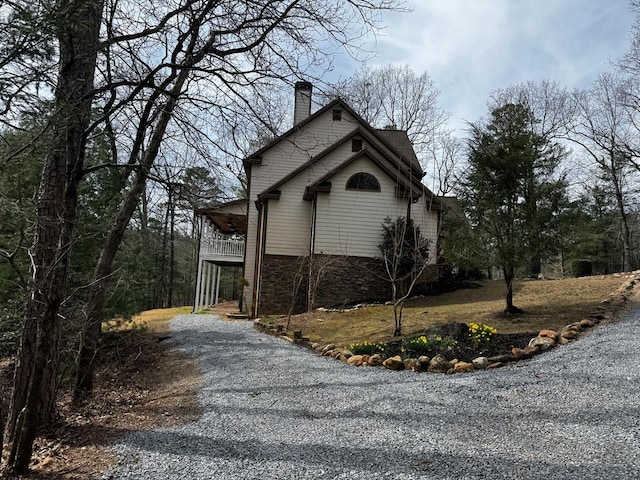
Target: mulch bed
{"type": "Point", "coordinates": [466, 351]}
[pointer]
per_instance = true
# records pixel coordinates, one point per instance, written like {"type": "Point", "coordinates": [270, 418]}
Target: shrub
{"type": "Point", "coordinates": [366, 348]}
{"type": "Point", "coordinates": [480, 334]}
{"type": "Point", "coordinates": [428, 344]}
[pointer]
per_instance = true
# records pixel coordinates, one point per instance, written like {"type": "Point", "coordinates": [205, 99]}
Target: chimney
{"type": "Point", "coordinates": [302, 102]}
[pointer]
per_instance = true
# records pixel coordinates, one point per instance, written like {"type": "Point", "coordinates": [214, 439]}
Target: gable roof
{"type": "Point", "coordinates": [396, 140]}
{"type": "Point", "coordinates": [409, 174]}
{"type": "Point", "coordinates": [399, 139]}
{"type": "Point", "coordinates": [394, 174]}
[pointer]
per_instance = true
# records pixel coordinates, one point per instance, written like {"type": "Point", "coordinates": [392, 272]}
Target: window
{"type": "Point", "coordinates": [363, 181]}
{"type": "Point", "coordinates": [356, 144]}
{"type": "Point", "coordinates": [337, 114]}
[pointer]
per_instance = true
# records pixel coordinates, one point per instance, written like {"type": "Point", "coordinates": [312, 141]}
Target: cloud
{"type": "Point", "coordinates": [471, 47]}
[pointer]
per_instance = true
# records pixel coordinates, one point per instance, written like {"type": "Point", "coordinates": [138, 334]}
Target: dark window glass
{"type": "Point", "coordinates": [363, 181]}
{"type": "Point", "coordinates": [337, 114]}
{"type": "Point", "coordinates": [356, 144]}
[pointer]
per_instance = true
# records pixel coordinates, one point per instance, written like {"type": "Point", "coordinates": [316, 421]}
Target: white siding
{"type": "Point", "coordinates": [349, 222]}
{"type": "Point", "coordinates": [289, 225]}
{"type": "Point", "coordinates": [299, 148]}
{"type": "Point", "coordinates": [277, 162]}
{"type": "Point", "coordinates": [250, 256]}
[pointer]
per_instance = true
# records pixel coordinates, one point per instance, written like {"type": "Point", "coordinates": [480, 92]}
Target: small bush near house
{"type": "Point", "coordinates": [366, 348]}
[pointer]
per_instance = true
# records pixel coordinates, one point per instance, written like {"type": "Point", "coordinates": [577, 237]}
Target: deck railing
{"type": "Point", "coordinates": [223, 248]}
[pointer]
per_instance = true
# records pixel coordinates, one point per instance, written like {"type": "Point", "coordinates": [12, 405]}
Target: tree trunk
{"type": "Point", "coordinates": [35, 376]}
{"type": "Point", "coordinates": [509, 275]}
{"type": "Point", "coordinates": [172, 249]}
{"type": "Point", "coordinates": [1, 432]}
{"type": "Point", "coordinates": [628, 262]}
{"type": "Point", "coordinates": [161, 265]}
{"type": "Point", "coordinates": [95, 303]}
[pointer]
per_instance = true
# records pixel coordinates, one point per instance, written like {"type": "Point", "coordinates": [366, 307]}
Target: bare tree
{"type": "Point", "coordinates": [77, 29]}
{"type": "Point", "coordinates": [218, 64]}
{"type": "Point", "coordinates": [405, 255]}
{"type": "Point", "coordinates": [396, 97]}
{"type": "Point", "coordinates": [447, 155]}
{"type": "Point", "coordinates": [603, 130]}
{"type": "Point", "coordinates": [206, 54]}
{"type": "Point", "coordinates": [551, 107]}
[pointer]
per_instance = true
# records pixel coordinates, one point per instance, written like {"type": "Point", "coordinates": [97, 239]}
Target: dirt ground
{"type": "Point", "coordinates": [140, 384]}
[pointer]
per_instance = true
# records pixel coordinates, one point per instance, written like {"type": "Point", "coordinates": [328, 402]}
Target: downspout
{"type": "Point", "coordinates": [262, 233]}
{"type": "Point", "coordinates": [312, 249]}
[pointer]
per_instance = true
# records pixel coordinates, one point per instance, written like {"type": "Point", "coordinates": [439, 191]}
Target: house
{"type": "Point", "coordinates": [309, 232]}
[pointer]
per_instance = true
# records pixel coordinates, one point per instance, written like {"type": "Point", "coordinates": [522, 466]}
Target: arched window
{"type": "Point", "coordinates": [363, 181]}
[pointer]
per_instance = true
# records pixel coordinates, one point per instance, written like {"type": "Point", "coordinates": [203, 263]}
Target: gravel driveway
{"type": "Point", "coordinates": [275, 411]}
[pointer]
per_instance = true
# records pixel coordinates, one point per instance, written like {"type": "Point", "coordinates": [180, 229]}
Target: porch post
{"type": "Point", "coordinates": [218, 272]}
{"type": "Point", "coordinates": [207, 285]}
{"type": "Point", "coordinates": [196, 305]}
{"type": "Point", "coordinates": [196, 300]}
{"type": "Point", "coordinates": [212, 283]}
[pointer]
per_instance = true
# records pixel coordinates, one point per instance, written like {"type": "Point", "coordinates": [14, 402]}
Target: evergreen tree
{"type": "Point", "coordinates": [511, 191]}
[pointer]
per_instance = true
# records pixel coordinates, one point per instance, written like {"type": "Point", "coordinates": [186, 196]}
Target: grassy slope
{"type": "Point", "coordinates": [155, 321]}
{"type": "Point", "coordinates": [546, 304]}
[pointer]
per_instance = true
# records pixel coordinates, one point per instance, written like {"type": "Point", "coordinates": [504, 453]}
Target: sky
{"type": "Point", "coordinates": [473, 47]}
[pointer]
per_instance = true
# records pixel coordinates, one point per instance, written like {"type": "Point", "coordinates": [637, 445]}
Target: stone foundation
{"type": "Point", "coordinates": [324, 281]}
{"type": "Point", "coordinates": [277, 284]}
{"type": "Point", "coordinates": [343, 281]}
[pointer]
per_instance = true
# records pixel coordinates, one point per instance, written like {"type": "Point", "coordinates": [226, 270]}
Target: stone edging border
{"type": "Point", "coordinates": [604, 313]}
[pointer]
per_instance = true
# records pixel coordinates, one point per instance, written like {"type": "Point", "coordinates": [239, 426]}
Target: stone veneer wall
{"type": "Point", "coordinates": [277, 284]}
{"type": "Point", "coordinates": [348, 280]}
{"type": "Point", "coordinates": [342, 281]}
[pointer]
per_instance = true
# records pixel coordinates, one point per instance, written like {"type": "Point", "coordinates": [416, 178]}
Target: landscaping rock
{"type": "Point", "coordinates": [328, 348]}
{"type": "Point", "coordinates": [495, 365]}
{"type": "Point", "coordinates": [570, 335]}
{"type": "Point", "coordinates": [480, 363]}
{"type": "Point", "coordinates": [355, 360]}
{"type": "Point", "coordinates": [457, 330]}
{"type": "Point", "coordinates": [543, 343]}
{"type": "Point", "coordinates": [365, 359]}
{"type": "Point", "coordinates": [549, 334]}
{"type": "Point", "coordinates": [463, 367]}
{"type": "Point", "coordinates": [586, 323]}
{"type": "Point", "coordinates": [394, 363]}
{"type": "Point", "coordinates": [573, 326]}
{"type": "Point", "coordinates": [524, 353]}
{"type": "Point", "coordinates": [412, 364]}
{"type": "Point", "coordinates": [314, 345]}
{"type": "Point", "coordinates": [439, 364]}
{"type": "Point", "coordinates": [346, 355]}
{"type": "Point", "coordinates": [375, 360]}
{"type": "Point", "coordinates": [506, 358]}
{"type": "Point", "coordinates": [424, 361]}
